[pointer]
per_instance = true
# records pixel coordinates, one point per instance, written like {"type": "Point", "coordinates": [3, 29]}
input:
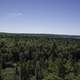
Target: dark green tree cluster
{"type": "Point", "coordinates": [40, 58]}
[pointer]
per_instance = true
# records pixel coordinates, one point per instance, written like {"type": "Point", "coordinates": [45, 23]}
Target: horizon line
{"type": "Point", "coordinates": [39, 33]}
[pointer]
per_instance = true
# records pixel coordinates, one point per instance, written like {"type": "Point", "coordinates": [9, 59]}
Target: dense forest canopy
{"type": "Point", "coordinates": [39, 58]}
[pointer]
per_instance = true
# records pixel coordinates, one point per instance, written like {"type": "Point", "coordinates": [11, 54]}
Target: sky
{"type": "Point", "coordinates": [40, 16]}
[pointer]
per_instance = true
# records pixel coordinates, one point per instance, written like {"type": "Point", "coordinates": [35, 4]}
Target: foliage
{"type": "Point", "coordinates": [39, 58]}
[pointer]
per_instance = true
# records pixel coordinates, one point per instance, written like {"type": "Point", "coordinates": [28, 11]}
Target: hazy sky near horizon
{"type": "Point", "coordinates": [40, 16]}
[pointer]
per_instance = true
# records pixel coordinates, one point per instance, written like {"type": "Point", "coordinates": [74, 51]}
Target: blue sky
{"type": "Point", "coordinates": [40, 16]}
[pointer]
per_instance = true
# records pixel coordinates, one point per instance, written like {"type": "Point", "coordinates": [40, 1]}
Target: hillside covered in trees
{"type": "Point", "coordinates": [26, 57]}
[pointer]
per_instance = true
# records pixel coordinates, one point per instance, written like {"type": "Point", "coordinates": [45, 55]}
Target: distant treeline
{"type": "Point", "coordinates": [24, 35]}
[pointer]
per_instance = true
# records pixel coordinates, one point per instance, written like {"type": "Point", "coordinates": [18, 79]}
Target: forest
{"type": "Point", "coordinates": [39, 58]}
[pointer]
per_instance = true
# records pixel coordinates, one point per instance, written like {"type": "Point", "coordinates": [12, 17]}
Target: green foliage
{"type": "Point", "coordinates": [39, 58]}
